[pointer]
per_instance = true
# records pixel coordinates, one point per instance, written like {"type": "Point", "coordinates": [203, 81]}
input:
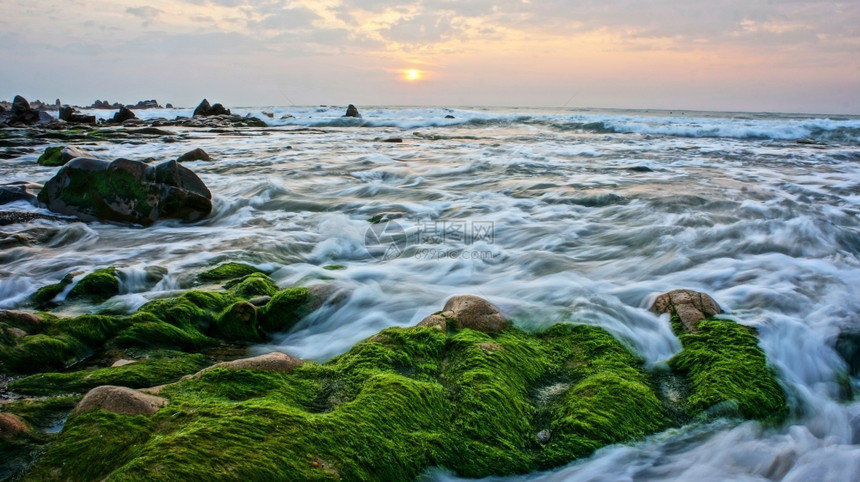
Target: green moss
{"type": "Point", "coordinates": [147, 330]}
{"type": "Point", "coordinates": [238, 323]}
{"type": "Point", "coordinates": [228, 271]}
{"type": "Point", "coordinates": [252, 285]}
{"type": "Point", "coordinates": [728, 371]}
{"type": "Point", "coordinates": [284, 310]}
{"type": "Point", "coordinates": [97, 286]}
{"type": "Point", "coordinates": [334, 267]}
{"type": "Point", "coordinates": [94, 458]}
{"type": "Point", "coordinates": [43, 296]}
{"type": "Point", "coordinates": [157, 369]}
{"type": "Point", "coordinates": [40, 353]}
{"type": "Point", "coordinates": [397, 403]}
{"type": "Point", "coordinates": [45, 414]}
{"type": "Point", "coordinates": [51, 157]}
{"type": "Point", "coordinates": [193, 310]}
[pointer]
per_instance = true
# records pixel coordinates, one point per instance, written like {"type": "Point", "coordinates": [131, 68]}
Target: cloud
{"type": "Point", "coordinates": [146, 13]}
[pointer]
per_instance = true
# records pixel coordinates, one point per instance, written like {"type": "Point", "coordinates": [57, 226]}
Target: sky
{"type": "Point", "coordinates": [727, 55]}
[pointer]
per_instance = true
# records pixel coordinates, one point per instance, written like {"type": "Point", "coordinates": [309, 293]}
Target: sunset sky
{"type": "Point", "coordinates": [750, 55]}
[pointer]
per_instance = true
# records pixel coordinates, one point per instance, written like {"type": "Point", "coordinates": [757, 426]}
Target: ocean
{"type": "Point", "coordinates": [554, 215]}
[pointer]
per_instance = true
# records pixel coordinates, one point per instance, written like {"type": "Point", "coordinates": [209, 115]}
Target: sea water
{"type": "Point", "coordinates": [554, 215]}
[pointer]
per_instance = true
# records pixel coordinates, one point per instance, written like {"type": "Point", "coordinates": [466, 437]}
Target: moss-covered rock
{"type": "Point", "coordinates": [60, 155]}
{"type": "Point", "coordinates": [155, 368]}
{"type": "Point", "coordinates": [401, 401]}
{"type": "Point", "coordinates": [44, 296]}
{"type": "Point", "coordinates": [228, 271]}
{"type": "Point", "coordinates": [728, 372]}
{"type": "Point", "coordinates": [238, 322]}
{"type": "Point", "coordinates": [252, 286]}
{"type": "Point", "coordinates": [97, 286]}
{"type": "Point", "coordinates": [284, 310]}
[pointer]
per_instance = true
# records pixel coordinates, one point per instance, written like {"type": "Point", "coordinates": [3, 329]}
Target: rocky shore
{"type": "Point", "coordinates": [465, 389]}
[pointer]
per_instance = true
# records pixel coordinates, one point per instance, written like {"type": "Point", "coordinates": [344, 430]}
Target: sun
{"type": "Point", "coordinates": [412, 75]}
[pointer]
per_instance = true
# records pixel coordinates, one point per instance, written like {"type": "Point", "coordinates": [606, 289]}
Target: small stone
{"type": "Point", "coordinates": [121, 363]}
{"type": "Point", "coordinates": [11, 425]}
{"type": "Point", "coordinates": [194, 155]}
{"type": "Point", "coordinates": [475, 313]}
{"type": "Point", "coordinates": [352, 111]}
{"type": "Point", "coordinates": [543, 437]}
{"type": "Point", "coordinates": [260, 300]}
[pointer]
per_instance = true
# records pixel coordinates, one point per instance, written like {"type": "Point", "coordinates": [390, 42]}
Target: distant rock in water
{"type": "Point", "coordinates": [449, 116]}
{"type": "Point", "coordinates": [70, 115]}
{"type": "Point", "coordinates": [352, 111]}
{"type": "Point", "coordinates": [168, 106]}
{"type": "Point", "coordinates": [127, 191]}
{"type": "Point", "coordinates": [122, 115]}
{"type": "Point", "coordinates": [17, 191]}
{"type": "Point", "coordinates": [195, 155]}
{"type": "Point", "coordinates": [21, 113]}
{"type": "Point", "coordinates": [103, 104]}
{"type": "Point", "coordinates": [145, 104]}
{"type": "Point", "coordinates": [204, 109]}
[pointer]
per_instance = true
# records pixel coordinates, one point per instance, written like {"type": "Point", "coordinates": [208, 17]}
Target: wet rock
{"type": "Point", "coordinates": [61, 155]}
{"type": "Point", "coordinates": [195, 155]}
{"type": "Point", "coordinates": [21, 319]}
{"type": "Point", "coordinates": [121, 400]}
{"type": "Point", "coordinates": [690, 306]}
{"type": "Point", "coordinates": [239, 322]}
{"type": "Point", "coordinates": [205, 110]}
{"type": "Point", "coordinates": [848, 347]}
{"type": "Point", "coordinates": [467, 311]}
{"type": "Point", "coordinates": [260, 300]}
{"type": "Point", "coordinates": [126, 191]}
{"type": "Point", "coordinates": [11, 425]}
{"type": "Point", "coordinates": [122, 115]}
{"type": "Point", "coordinates": [121, 363]}
{"type": "Point", "coordinates": [449, 116]}
{"type": "Point", "coordinates": [352, 111]}
{"type": "Point", "coordinates": [145, 104]}
{"type": "Point", "coordinates": [21, 217]}
{"type": "Point", "coordinates": [18, 191]}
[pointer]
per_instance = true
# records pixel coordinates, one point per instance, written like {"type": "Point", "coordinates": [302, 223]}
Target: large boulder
{"type": "Point", "coordinates": [126, 191]}
{"type": "Point", "coordinates": [352, 111]}
{"type": "Point", "coordinates": [70, 114]}
{"type": "Point", "coordinates": [121, 400]}
{"type": "Point", "coordinates": [204, 109]}
{"type": "Point", "coordinates": [690, 307]}
{"type": "Point", "coordinates": [20, 112]}
{"type": "Point", "coordinates": [468, 311]}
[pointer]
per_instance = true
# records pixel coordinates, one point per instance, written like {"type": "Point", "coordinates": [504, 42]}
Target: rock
{"type": "Point", "coordinates": [204, 109]}
{"type": "Point", "coordinates": [70, 115]}
{"type": "Point", "coordinates": [351, 111]}
{"type": "Point", "coordinates": [168, 106]}
{"type": "Point", "coordinates": [239, 322]}
{"type": "Point", "coordinates": [20, 112]}
{"type": "Point", "coordinates": [270, 115]}
{"type": "Point", "coordinates": [690, 306]}
{"type": "Point", "coordinates": [195, 155]}
{"type": "Point", "coordinates": [145, 104]}
{"type": "Point", "coordinates": [19, 217]}
{"type": "Point", "coordinates": [122, 362]}
{"type": "Point", "coordinates": [16, 192]}
{"type": "Point", "coordinates": [543, 437]}
{"type": "Point", "coordinates": [21, 319]}
{"type": "Point", "coordinates": [449, 116]}
{"type": "Point", "coordinates": [11, 425]}
{"type": "Point", "coordinates": [60, 155]}
{"type": "Point", "coordinates": [468, 311]}
{"type": "Point", "coordinates": [260, 300]}
{"type": "Point", "coordinates": [121, 400]}
{"type": "Point", "coordinates": [271, 362]}
{"type": "Point", "coordinates": [122, 115]}
{"type": "Point", "coordinates": [848, 347]}
{"type": "Point", "coordinates": [126, 191]}
{"type": "Point", "coordinates": [394, 140]}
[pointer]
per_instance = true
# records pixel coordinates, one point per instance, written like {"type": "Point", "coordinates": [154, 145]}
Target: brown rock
{"type": "Point", "coordinates": [476, 313]}
{"type": "Point", "coordinates": [20, 319]}
{"type": "Point", "coordinates": [690, 306]}
{"type": "Point", "coordinates": [271, 362]}
{"type": "Point", "coordinates": [11, 425]}
{"type": "Point", "coordinates": [195, 155]}
{"type": "Point", "coordinates": [121, 400]}
{"type": "Point", "coordinates": [468, 311]}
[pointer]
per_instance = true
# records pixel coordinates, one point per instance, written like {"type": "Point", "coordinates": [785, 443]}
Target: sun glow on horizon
{"type": "Point", "coordinates": [412, 75]}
